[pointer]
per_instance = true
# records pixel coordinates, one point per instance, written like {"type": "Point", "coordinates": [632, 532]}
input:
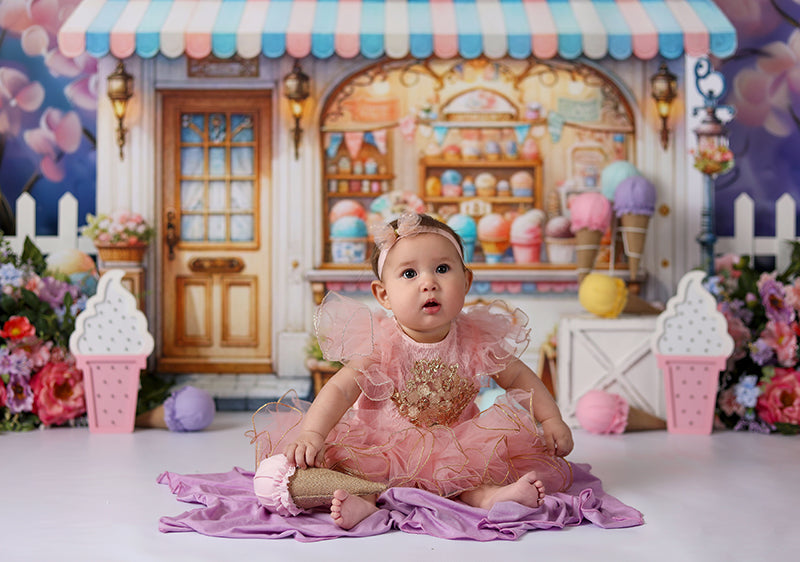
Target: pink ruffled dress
{"type": "Point", "coordinates": [416, 422]}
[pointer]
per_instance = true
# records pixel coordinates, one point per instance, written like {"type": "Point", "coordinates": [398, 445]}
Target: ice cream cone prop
{"type": "Point", "coordinates": [112, 386]}
{"type": "Point", "coordinates": [494, 232]}
{"type": "Point", "coordinates": [590, 213]}
{"type": "Point", "coordinates": [634, 204]}
{"type": "Point", "coordinates": [690, 385]}
{"type": "Point", "coordinates": [587, 246]}
{"type": "Point", "coordinates": [634, 233]}
{"type": "Point", "coordinates": [604, 413]}
{"type": "Point", "coordinates": [111, 345]}
{"type": "Point", "coordinates": [186, 409]}
{"type": "Point", "coordinates": [286, 490]}
{"type": "Point", "coordinates": [691, 345]}
{"type": "Point", "coordinates": [494, 250]}
{"type": "Point", "coordinates": [608, 297]}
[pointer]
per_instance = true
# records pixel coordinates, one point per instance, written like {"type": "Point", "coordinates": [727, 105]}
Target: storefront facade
{"type": "Point", "coordinates": [535, 98]}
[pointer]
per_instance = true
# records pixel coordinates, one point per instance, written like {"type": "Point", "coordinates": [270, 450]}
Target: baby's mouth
{"type": "Point", "coordinates": [431, 306]}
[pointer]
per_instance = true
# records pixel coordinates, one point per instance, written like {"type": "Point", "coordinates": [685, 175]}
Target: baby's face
{"type": "Point", "coordinates": [424, 284]}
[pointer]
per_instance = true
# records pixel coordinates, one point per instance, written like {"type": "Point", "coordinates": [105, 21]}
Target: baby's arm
{"type": "Point", "coordinates": [338, 394]}
{"type": "Point", "coordinates": [557, 434]}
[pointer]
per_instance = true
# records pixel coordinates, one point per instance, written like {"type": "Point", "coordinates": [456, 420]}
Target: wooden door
{"type": "Point", "coordinates": [215, 305]}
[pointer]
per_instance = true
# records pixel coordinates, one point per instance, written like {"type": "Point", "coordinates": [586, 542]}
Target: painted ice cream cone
{"type": "Point", "coordinates": [493, 233]}
{"type": "Point", "coordinates": [526, 236]}
{"type": "Point", "coordinates": [691, 345]}
{"type": "Point", "coordinates": [634, 204]}
{"type": "Point", "coordinates": [111, 345]}
{"type": "Point", "coordinates": [634, 232]}
{"type": "Point", "coordinates": [604, 413]}
{"type": "Point", "coordinates": [590, 213]}
{"type": "Point", "coordinates": [587, 246]}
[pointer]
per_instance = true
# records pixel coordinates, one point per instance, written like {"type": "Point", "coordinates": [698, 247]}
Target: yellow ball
{"type": "Point", "coordinates": [603, 295]}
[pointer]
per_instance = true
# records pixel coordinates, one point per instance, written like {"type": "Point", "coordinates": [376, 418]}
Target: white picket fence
{"type": "Point", "coordinates": [68, 235]}
{"type": "Point", "coordinates": [745, 243]}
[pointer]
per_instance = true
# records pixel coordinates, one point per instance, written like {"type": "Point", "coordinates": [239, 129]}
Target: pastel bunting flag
{"type": "Point", "coordinates": [439, 133]}
{"type": "Point", "coordinates": [353, 140]}
{"type": "Point", "coordinates": [332, 144]}
{"type": "Point", "coordinates": [379, 139]}
{"type": "Point", "coordinates": [521, 131]}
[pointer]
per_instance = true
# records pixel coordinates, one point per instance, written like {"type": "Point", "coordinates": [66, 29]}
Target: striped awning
{"type": "Point", "coordinates": [398, 28]}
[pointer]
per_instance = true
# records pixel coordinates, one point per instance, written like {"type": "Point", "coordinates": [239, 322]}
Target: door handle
{"type": "Point", "coordinates": [216, 265]}
{"type": "Point", "coordinates": [172, 234]}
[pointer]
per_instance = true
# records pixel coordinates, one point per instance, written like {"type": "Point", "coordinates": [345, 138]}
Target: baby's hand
{"type": "Point", "coordinates": [557, 437]}
{"type": "Point", "coordinates": [306, 450]}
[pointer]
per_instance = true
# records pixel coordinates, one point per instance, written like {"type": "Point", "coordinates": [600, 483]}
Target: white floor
{"type": "Point", "coordinates": [67, 494]}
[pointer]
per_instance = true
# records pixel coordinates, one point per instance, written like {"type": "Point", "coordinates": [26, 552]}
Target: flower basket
{"type": "Point", "coordinates": [121, 253]}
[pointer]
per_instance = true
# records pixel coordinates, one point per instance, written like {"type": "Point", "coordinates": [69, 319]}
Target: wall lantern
{"type": "Point", "coordinates": [664, 88]}
{"type": "Point", "coordinates": [296, 88]}
{"type": "Point", "coordinates": [119, 86]}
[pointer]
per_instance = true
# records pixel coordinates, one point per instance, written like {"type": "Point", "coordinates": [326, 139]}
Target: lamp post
{"type": "Point", "coordinates": [712, 156]}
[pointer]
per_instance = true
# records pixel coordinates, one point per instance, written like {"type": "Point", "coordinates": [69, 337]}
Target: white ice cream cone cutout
{"type": "Point", "coordinates": [111, 345]}
{"type": "Point", "coordinates": [691, 345]}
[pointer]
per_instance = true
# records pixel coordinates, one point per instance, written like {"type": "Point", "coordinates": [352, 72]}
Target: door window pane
{"type": "Point", "coordinates": [242, 228]}
{"type": "Point", "coordinates": [192, 228]}
{"type": "Point", "coordinates": [242, 128]}
{"type": "Point", "coordinates": [217, 231]}
{"type": "Point", "coordinates": [241, 195]}
{"type": "Point", "coordinates": [191, 195]}
{"type": "Point", "coordinates": [242, 160]}
{"type": "Point", "coordinates": [216, 196]}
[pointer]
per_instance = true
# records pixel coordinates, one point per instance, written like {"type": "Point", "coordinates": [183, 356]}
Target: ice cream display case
{"type": "Point", "coordinates": [487, 146]}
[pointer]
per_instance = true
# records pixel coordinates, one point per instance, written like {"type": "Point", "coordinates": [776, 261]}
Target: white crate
{"type": "Point", "coordinates": [608, 354]}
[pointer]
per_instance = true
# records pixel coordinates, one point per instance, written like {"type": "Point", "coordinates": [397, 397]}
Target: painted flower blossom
{"type": "Point", "coordinates": [780, 398]}
{"type": "Point", "coordinates": [58, 388]}
{"type": "Point", "coordinates": [58, 133]}
{"type": "Point", "coordinates": [17, 327]}
{"type": "Point", "coordinates": [17, 95]}
{"type": "Point", "coordinates": [20, 394]}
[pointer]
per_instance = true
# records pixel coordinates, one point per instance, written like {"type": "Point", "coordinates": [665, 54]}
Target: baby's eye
{"type": "Point", "coordinates": [409, 274]}
{"type": "Point", "coordinates": [442, 268]}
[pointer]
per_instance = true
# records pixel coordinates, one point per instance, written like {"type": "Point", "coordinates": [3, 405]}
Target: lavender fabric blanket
{"type": "Point", "coordinates": [230, 509]}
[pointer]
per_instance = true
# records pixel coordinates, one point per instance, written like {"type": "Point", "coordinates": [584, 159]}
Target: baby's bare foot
{"type": "Point", "coordinates": [528, 491]}
{"type": "Point", "coordinates": [348, 510]}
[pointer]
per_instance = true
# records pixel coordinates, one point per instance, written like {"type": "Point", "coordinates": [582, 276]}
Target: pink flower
{"type": "Point", "coordinates": [3, 394]}
{"type": "Point", "coordinates": [793, 294]}
{"type": "Point", "coordinates": [781, 338]}
{"type": "Point", "coordinates": [34, 284]}
{"type": "Point", "coordinates": [738, 331]}
{"type": "Point", "coordinates": [17, 94]}
{"type": "Point", "coordinates": [728, 403]}
{"type": "Point", "coordinates": [16, 328]}
{"type": "Point", "coordinates": [780, 398]}
{"type": "Point", "coordinates": [58, 393]}
{"type": "Point", "coordinates": [58, 133]}
{"type": "Point", "coordinates": [724, 264]}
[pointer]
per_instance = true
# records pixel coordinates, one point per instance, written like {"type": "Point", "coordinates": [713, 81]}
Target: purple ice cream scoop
{"type": "Point", "coordinates": [635, 196]}
{"type": "Point", "coordinates": [189, 409]}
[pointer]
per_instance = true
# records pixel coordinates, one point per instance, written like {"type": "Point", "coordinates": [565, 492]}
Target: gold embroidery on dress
{"type": "Point", "coordinates": [434, 394]}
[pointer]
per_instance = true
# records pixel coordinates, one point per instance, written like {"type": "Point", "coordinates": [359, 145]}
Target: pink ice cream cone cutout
{"type": "Point", "coordinates": [111, 345]}
{"type": "Point", "coordinates": [691, 345]}
{"type": "Point", "coordinates": [590, 213]}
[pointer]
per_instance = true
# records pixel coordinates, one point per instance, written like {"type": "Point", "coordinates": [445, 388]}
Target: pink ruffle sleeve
{"type": "Point", "coordinates": [493, 335]}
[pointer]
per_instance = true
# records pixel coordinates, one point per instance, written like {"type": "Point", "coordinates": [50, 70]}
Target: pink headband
{"type": "Point", "coordinates": [407, 225]}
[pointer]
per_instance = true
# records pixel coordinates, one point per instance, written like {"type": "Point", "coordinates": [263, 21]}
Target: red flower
{"type": "Point", "coordinates": [780, 398]}
{"type": "Point", "coordinates": [16, 328]}
{"type": "Point", "coordinates": [58, 393]}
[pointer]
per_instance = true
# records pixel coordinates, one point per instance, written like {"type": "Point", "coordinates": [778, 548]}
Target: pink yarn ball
{"type": "Point", "coordinates": [602, 412]}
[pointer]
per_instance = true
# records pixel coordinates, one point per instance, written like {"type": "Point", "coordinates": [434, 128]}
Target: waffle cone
{"type": "Point", "coordinates": [637, 305]}
{"type": "Point", "coordinates": [634, 232]}
{"type": "Point", "coordinates": [152, 418]}
{"type": "Point", "coordinates": [587, 246]}
{"type": "Point", "coordinates": [639, 420]}
{"type": "Point", "coordinates": [313, 487]}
